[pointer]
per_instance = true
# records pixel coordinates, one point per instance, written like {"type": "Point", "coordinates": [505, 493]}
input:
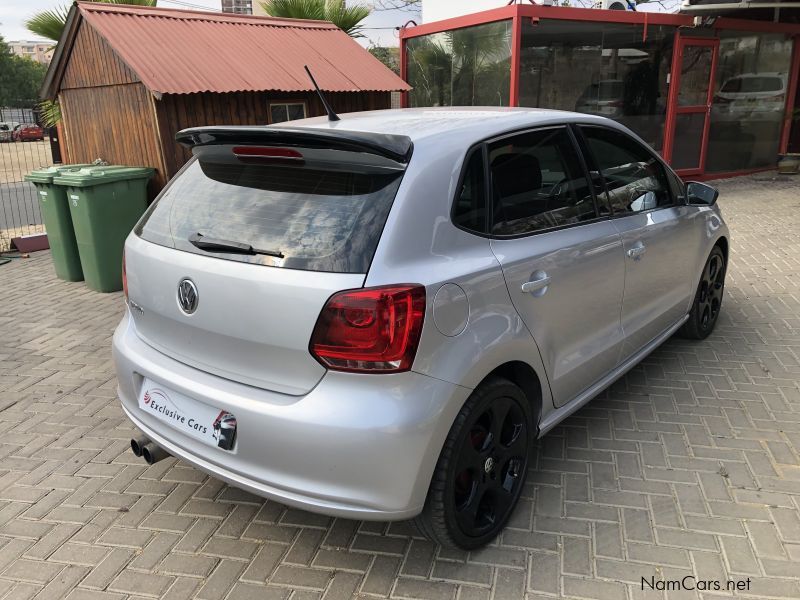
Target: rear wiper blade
{"type": "Point", "coordinates": [214, 245]}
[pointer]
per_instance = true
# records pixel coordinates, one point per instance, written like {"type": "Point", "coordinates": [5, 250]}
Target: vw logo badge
{"type": "Point", "coordinates": [187, 296]}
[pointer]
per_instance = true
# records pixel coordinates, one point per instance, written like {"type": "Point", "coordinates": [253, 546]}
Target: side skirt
{"type": "Point", "coordinates": [555, 417]}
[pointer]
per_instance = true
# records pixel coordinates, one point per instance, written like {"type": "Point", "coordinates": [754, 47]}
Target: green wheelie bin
{"type": "Point", "coordinates": [58, 221]}
{"type": "Point", "coordinates": [105, 203]}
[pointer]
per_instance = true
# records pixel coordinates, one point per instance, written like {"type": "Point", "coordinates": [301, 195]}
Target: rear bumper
{"type": "Point", "coordinates": [356, 446]}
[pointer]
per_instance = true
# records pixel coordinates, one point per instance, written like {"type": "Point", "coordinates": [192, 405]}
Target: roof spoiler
{"type": "Point", "coordinates": [394, 147]}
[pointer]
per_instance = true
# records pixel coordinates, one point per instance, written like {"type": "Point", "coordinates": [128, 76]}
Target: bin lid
{"type": "Point", "coordinates": [47, 174]}
{"type": "Point", "coordinates": [97, 175]}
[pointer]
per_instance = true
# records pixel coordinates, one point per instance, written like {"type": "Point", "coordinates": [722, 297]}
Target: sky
{"type": "Point", "coordinates": [378, 26]}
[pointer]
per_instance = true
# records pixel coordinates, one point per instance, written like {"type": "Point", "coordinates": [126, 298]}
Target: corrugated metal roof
{"type": "Point", "coordinates": [184, 52]}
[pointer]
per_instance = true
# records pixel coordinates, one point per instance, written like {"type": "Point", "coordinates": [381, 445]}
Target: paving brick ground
{"type": "Point", "coordinates": [688, 466]}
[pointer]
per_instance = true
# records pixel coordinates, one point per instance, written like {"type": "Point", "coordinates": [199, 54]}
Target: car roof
{"type": "Point", "coordinates": [448, 124]}
{"type": "Point", "coordinates": [765, 74]}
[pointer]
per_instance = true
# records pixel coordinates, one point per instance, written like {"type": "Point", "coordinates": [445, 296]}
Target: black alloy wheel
{"type": "Point", "coordinates": [481, 471]}
{"type": "Point", "coordinates": [708, 298]}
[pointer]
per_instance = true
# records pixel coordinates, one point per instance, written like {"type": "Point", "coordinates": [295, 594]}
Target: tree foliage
{"type": "Point", "coordinates": [20, 79]}
{"type": "Point", "coordinates": [346, 18]}
{"type": "Point", "coordinates": [49, 24]}
{"type": "Point", "coordinates": [462, 67]}
{"type": "Point", "coordinates": [389, 56]}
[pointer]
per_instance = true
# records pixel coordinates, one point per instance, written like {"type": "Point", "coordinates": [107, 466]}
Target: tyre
{"type": "Point", "coordinates": [708, 298]}
{"type": "Point", "coordinates": [481, 471]}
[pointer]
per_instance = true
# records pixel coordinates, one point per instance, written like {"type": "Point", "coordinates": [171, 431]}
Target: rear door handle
{"type": "Point", "coordinates": [637, 251]}
{"type": "Point", "coordinates": [535, 285]}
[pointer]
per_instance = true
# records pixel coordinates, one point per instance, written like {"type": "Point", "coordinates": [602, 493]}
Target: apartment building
{"type": "Point", "coordinates": [238, 7]}
{"type": "Point", "coordinates": [39, 51]}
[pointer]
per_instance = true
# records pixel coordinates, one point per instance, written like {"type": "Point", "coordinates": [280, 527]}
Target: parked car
{"type": "Point", "coordinates": [7, 131]}
{"type": "Point", "coordinates": [28, 132]}
{"type": "Point", "coordinates": [604, 98]}
{"type": "Point", "coordinates": [751, 97]}
{"type": "Point", "coordinates": [388, 310]}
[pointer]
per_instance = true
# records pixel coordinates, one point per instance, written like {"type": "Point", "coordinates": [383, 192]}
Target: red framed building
{"type": "Point", "coordinates": [716, 96]}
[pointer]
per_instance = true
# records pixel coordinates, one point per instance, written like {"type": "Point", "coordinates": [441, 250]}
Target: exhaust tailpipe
{"type": "Point", "coordinates": [152, 453]}
{"type": "Point", "coordinates": [137, 444]}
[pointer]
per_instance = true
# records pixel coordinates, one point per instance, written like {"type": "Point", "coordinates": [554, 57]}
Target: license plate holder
{"type": "Point", "coordinates": [210, 425]}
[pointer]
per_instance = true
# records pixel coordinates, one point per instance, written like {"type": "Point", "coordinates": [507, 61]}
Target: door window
{"type": "Point", "coordinates": [635, 180]}
{"type": "Point", "coordinates": [537, 183]}
{"type": "Point", "coordinates": [469, 211]}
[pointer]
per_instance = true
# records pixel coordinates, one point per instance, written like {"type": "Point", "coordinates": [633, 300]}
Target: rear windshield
{"type": "Point", "coordinates": [750, 85]}
{"type": "Point", "coordinates": [320, 219]}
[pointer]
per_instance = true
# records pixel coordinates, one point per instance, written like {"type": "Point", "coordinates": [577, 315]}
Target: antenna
{"type": "Point", "coordinates": [332, 116]}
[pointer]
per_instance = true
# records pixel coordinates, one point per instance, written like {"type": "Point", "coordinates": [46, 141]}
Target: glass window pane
{"type": "Point", "coordinates": [635, 180]}
{"type": "Point", "coordinates": [278, 113]}
{"type": "Point", "coordinates": [322, 220]}
{"type": "Point", "coordinates": [695, 75]}
{"type": "Point", "coordinates": [749, 103]}
{"type": "Point", "coordinates": [470, 209]}
{"type": "Point", "coordinates": [616, 70]}
{"type": "Point", "coordinates": [462, 67]}
{"type": "Point", "coordinates": [537, 183]}
{"type": "Point", "coordinates": [688, 140]}
{"type": "Point", "coordinates": [296, 111]}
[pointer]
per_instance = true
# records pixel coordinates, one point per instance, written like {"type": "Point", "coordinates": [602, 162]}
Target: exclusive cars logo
{"type": "Point", "coordinates": [222, 429]}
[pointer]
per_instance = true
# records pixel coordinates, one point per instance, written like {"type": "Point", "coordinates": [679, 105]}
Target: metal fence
{"type": "Point", "coordinates": [19, 205]}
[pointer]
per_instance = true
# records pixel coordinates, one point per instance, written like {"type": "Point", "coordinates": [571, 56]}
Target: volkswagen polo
{"type": "Point", "coordinates": [376, 317]}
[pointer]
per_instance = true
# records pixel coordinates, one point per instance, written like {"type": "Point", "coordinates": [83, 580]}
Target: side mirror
{"type": "Point", "coordinates": [700, 194]}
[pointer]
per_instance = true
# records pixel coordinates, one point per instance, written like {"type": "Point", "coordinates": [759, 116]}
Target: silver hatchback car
{"type": "Point", "coordinates": [375, 318]}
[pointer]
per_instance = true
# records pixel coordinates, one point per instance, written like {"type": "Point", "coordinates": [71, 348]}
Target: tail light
{"type": "Point", "coordinates": [721, 100]}
{"type": "Point", "coordinates": [371, 330]}
{"type": "Point", "coordinates": [124, 277]}
{"type": "Point", "coordinates": [779, 98]}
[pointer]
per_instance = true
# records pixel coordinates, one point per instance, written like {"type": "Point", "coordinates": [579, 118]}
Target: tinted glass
{"type": "Point", "coordinates": [321, 220]}
{"type": "Point", "coordinates": [469, 211]}
{"type": "Point", "coordinates": [747, 113]}
{"type": "Point", "coordinates": [687, 145]}
{"type": "Point", "coordinates": [464, 67]}
{"type": "Point", "coordinates": [537, 183]}
{"type": "Point", "coordinates": [695, 75]}
{"type": "Point", "coordinates": [616, 70]}
{"type": "Point", "coordinates": [634, 178]}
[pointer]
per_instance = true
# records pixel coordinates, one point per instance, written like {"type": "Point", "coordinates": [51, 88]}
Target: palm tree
{"type": "Point", "coordinates": [50, 24]}
{"type": "Point", "coordinates": [346, 18]}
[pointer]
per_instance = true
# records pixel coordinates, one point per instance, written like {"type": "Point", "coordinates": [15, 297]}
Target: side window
{"type": "Point", "coordinates": [537, 183]}
{"type": "Point", "coordinates": [469, 210]}
{"type": "Point", "coordinates": [635, 179]}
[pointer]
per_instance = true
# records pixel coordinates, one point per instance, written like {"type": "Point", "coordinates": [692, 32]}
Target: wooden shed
{"type": "Point", "coordinates": [128, 78]}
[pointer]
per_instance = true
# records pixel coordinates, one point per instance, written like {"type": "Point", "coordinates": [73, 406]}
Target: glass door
{"type": "Point", "coordinates": [690, 97]}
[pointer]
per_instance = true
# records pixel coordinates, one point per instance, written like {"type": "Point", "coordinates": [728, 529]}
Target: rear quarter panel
{"type": "Point", "coordinates": [420, 244]}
